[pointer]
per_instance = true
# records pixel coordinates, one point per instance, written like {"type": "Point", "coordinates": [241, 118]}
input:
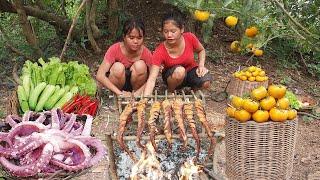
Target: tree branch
{"type": "Point", "coordinates": [93, 43]}
{"type": "Point", "coordinates": [293, 20]}
{"type": "Point", "coordinates": [74, 21]}
{"type": "Point", "coordinates": [61, 23]}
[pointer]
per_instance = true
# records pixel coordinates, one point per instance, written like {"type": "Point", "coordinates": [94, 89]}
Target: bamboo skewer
{"type": "Point", "coordinates": [112, 164]}
{"type": "Point", "coordinates": [158, 137]}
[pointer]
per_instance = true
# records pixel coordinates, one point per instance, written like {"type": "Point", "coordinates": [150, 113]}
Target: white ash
{"type": "Point", "coordinates": [170, 161]}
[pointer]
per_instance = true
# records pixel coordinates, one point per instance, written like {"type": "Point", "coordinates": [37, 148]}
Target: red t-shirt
{"type": "Point", "coordinates": [186, 59]}
{"type": "Point", "coordinates": [114, 54]}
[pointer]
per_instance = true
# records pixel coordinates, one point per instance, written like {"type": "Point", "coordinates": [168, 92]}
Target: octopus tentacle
{"type": "Point", "coordinates": [69, 124]}
{"type": "Point", "coordinates": [55, 123]}
{"type": "Point", "coordinates": [13, 120]}
{"type": "Point", "coordinates": [87, 126]}
{"type": "Point", "coordinates": [77, 129]}
{"type": "Point", "coordinates": [82, 156]}
{"type": "Point", "coordinates": [25, 129]}
{"type": "Point", "coordinates": [30, 169]}
{"type": "Point", "coordinates": [97, 145]}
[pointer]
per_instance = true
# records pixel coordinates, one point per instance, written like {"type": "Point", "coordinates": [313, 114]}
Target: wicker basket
{"type": "Point", "coordinates": [238, 87]}
{"type": "Point", "coordinates": [260, 150]}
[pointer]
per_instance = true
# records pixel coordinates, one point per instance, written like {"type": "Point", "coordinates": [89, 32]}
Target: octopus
{"type": "Point", "coordinates": [48, 141]}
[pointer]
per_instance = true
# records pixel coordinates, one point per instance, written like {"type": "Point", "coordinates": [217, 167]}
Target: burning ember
{"type": "Point", "coordinates": [191, 171]}
{"type": "Point", "coordinates": [148, 167]}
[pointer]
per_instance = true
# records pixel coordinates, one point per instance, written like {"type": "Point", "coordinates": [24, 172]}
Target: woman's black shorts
{"type": "Point", "coordinates": [190, 80]}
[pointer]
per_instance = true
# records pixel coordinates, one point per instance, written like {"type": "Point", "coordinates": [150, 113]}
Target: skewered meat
{"type": "Point", "coordinates": [167, 111]}
{"type": "Point", "coordinates": [125, 116]}
{"type": "Point", "coordinates": [154, 115]}
{"type": "Point", "coordinates": [202, 118]}
{"type": "Point", "coordinates": [141, 106]}
{"type": "Point", "coordinates": [178, 111]}
{"type": "Point", "coordinates": [188, 112]}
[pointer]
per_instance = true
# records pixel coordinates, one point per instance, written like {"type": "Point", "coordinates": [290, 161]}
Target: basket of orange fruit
{"type": "Point", "coordinates": [243, 80]}
{"type": "Point", "coordinates": [261, 135]}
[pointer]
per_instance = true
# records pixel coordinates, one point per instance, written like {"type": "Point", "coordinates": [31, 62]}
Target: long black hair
{"type": "Point", "coordinates": [133, 23]}
{"type": "Point", "coordinates": [175, 17]}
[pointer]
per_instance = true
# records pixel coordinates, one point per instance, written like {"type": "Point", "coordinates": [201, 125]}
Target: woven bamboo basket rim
{"type": "Point", "coordinates": [251, 121]}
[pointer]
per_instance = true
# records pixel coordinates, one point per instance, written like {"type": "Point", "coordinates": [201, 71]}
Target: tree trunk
{"type": "Point", "coordinates": [113, 17]}
{"type": "Point", "coordinates": [93, 43]}
{"type": "Point", "coordinates": [26, 28]}
{"type": "Point", "coordinates": [95, 30]}
{"type": "Point", "coordinates": [60, 23]}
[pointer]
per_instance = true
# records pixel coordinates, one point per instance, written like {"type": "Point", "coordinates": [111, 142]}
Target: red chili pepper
{"type": "Point", "coordinates": [93, 109]}
{"type": "Point", "coordinates": [72, 107]}
{"type": "Point", "coordinates": [84, 109]}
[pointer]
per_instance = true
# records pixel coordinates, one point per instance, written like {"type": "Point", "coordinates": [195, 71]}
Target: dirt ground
{"type": "Point", "coordinates": [221, 64]}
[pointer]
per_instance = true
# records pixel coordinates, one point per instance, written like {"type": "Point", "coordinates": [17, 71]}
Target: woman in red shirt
{"type": "Point", "coordinates": [176, 54]}
{"type": "Point", "coordinates": [125, 64]}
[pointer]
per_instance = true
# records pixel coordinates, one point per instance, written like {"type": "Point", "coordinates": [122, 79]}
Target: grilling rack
{"type": "Point", "coordinates": [121, 101]}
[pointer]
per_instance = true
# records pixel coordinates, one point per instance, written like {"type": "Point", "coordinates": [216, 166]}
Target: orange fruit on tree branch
{"type": "Point", "coordinates": [231, 21]}
{"type": "Point", "coordinates": [201, 15]}
{"type": "Point", "coordinates": [235, 46]}
{"type": "Point", "coordinates": [258, 52]}
{"type": "Point", "coordinates": [251, 31]}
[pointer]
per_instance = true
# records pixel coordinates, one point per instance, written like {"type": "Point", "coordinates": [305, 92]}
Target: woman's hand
{"type": "Point", "coordinates": [201, 71]}
{"type": "Point", "coordinates": [126, 94]}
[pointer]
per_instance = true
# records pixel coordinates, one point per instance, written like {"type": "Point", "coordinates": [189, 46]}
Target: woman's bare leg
{"type": "Point", "coordinates": [117, 74]}
{"type": "Point", "coordinates": [139, 74]}
{"type": "Point", "coordinates": [176, 78]}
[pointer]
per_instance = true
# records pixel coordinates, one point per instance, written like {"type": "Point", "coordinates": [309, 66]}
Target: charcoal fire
{"type": "Point", "coordinates": [148, 167]}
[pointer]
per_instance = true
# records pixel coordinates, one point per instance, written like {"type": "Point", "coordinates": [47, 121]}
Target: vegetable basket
{"type": "Point", "coordinates": [260, 150]}
{"type": "Point", "coordinates": [238, 87]}
{"type": "Point", "coordinates": [13, 106]}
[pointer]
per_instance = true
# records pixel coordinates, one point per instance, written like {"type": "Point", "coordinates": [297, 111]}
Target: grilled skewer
{"type": "Point", "coordinates": [203, 119]}
{"type": "Point", "coordinates": [154, 115]}
{"type": "Point", "coordinates": [188, 112]}
{"type": "Point", "coordinates": [178, 114]}
{"type": "Point", "coordinates": [167, 111]}
{"type": "Point", "coordinates": [125, 117]}
{"type": "Point", "coordinates": [141, 106]}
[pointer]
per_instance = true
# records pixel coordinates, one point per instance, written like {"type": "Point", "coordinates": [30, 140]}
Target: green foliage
{"type": "Point", "coordinates": [294, 102]}
{"type": "Point", "coordinates": [290, 34]}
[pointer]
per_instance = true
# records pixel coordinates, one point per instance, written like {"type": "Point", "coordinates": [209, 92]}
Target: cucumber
{"type": "Point", "coordinates": [45, 95]}
{"type": "Point", "coordinates": [34, 96]}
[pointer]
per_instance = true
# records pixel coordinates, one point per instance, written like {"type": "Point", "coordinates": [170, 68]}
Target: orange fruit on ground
{"type": "Point", "coordinates": [283, 103]}
{"type": "Point", "coordinates": [230, 111]}
{"type": "Point", "coordinates": [242, 115]}
{"type": "Point", "coordinates": [278, 115]}
{"type": "Point", "coordinates": [292, 113]}
{"type": "Point", "coordinates": [268, 103]}
{"type": "Point", "coordinates": [260, 116]}
{"type": "Point", "coordinates": [259, 93]}
{"type": "Point", "coordinates": [231, 21]}
{"type": "Point", "coordinates": [250, 105]}
{"type": "Point", "coordinates": [277, 91]}
{"type": "Point", "coordinates": [251, 31]}
{"type": "Point", "coordinates": [235, 46]}
{"type": "Point", "coordinates": [201, 15]}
